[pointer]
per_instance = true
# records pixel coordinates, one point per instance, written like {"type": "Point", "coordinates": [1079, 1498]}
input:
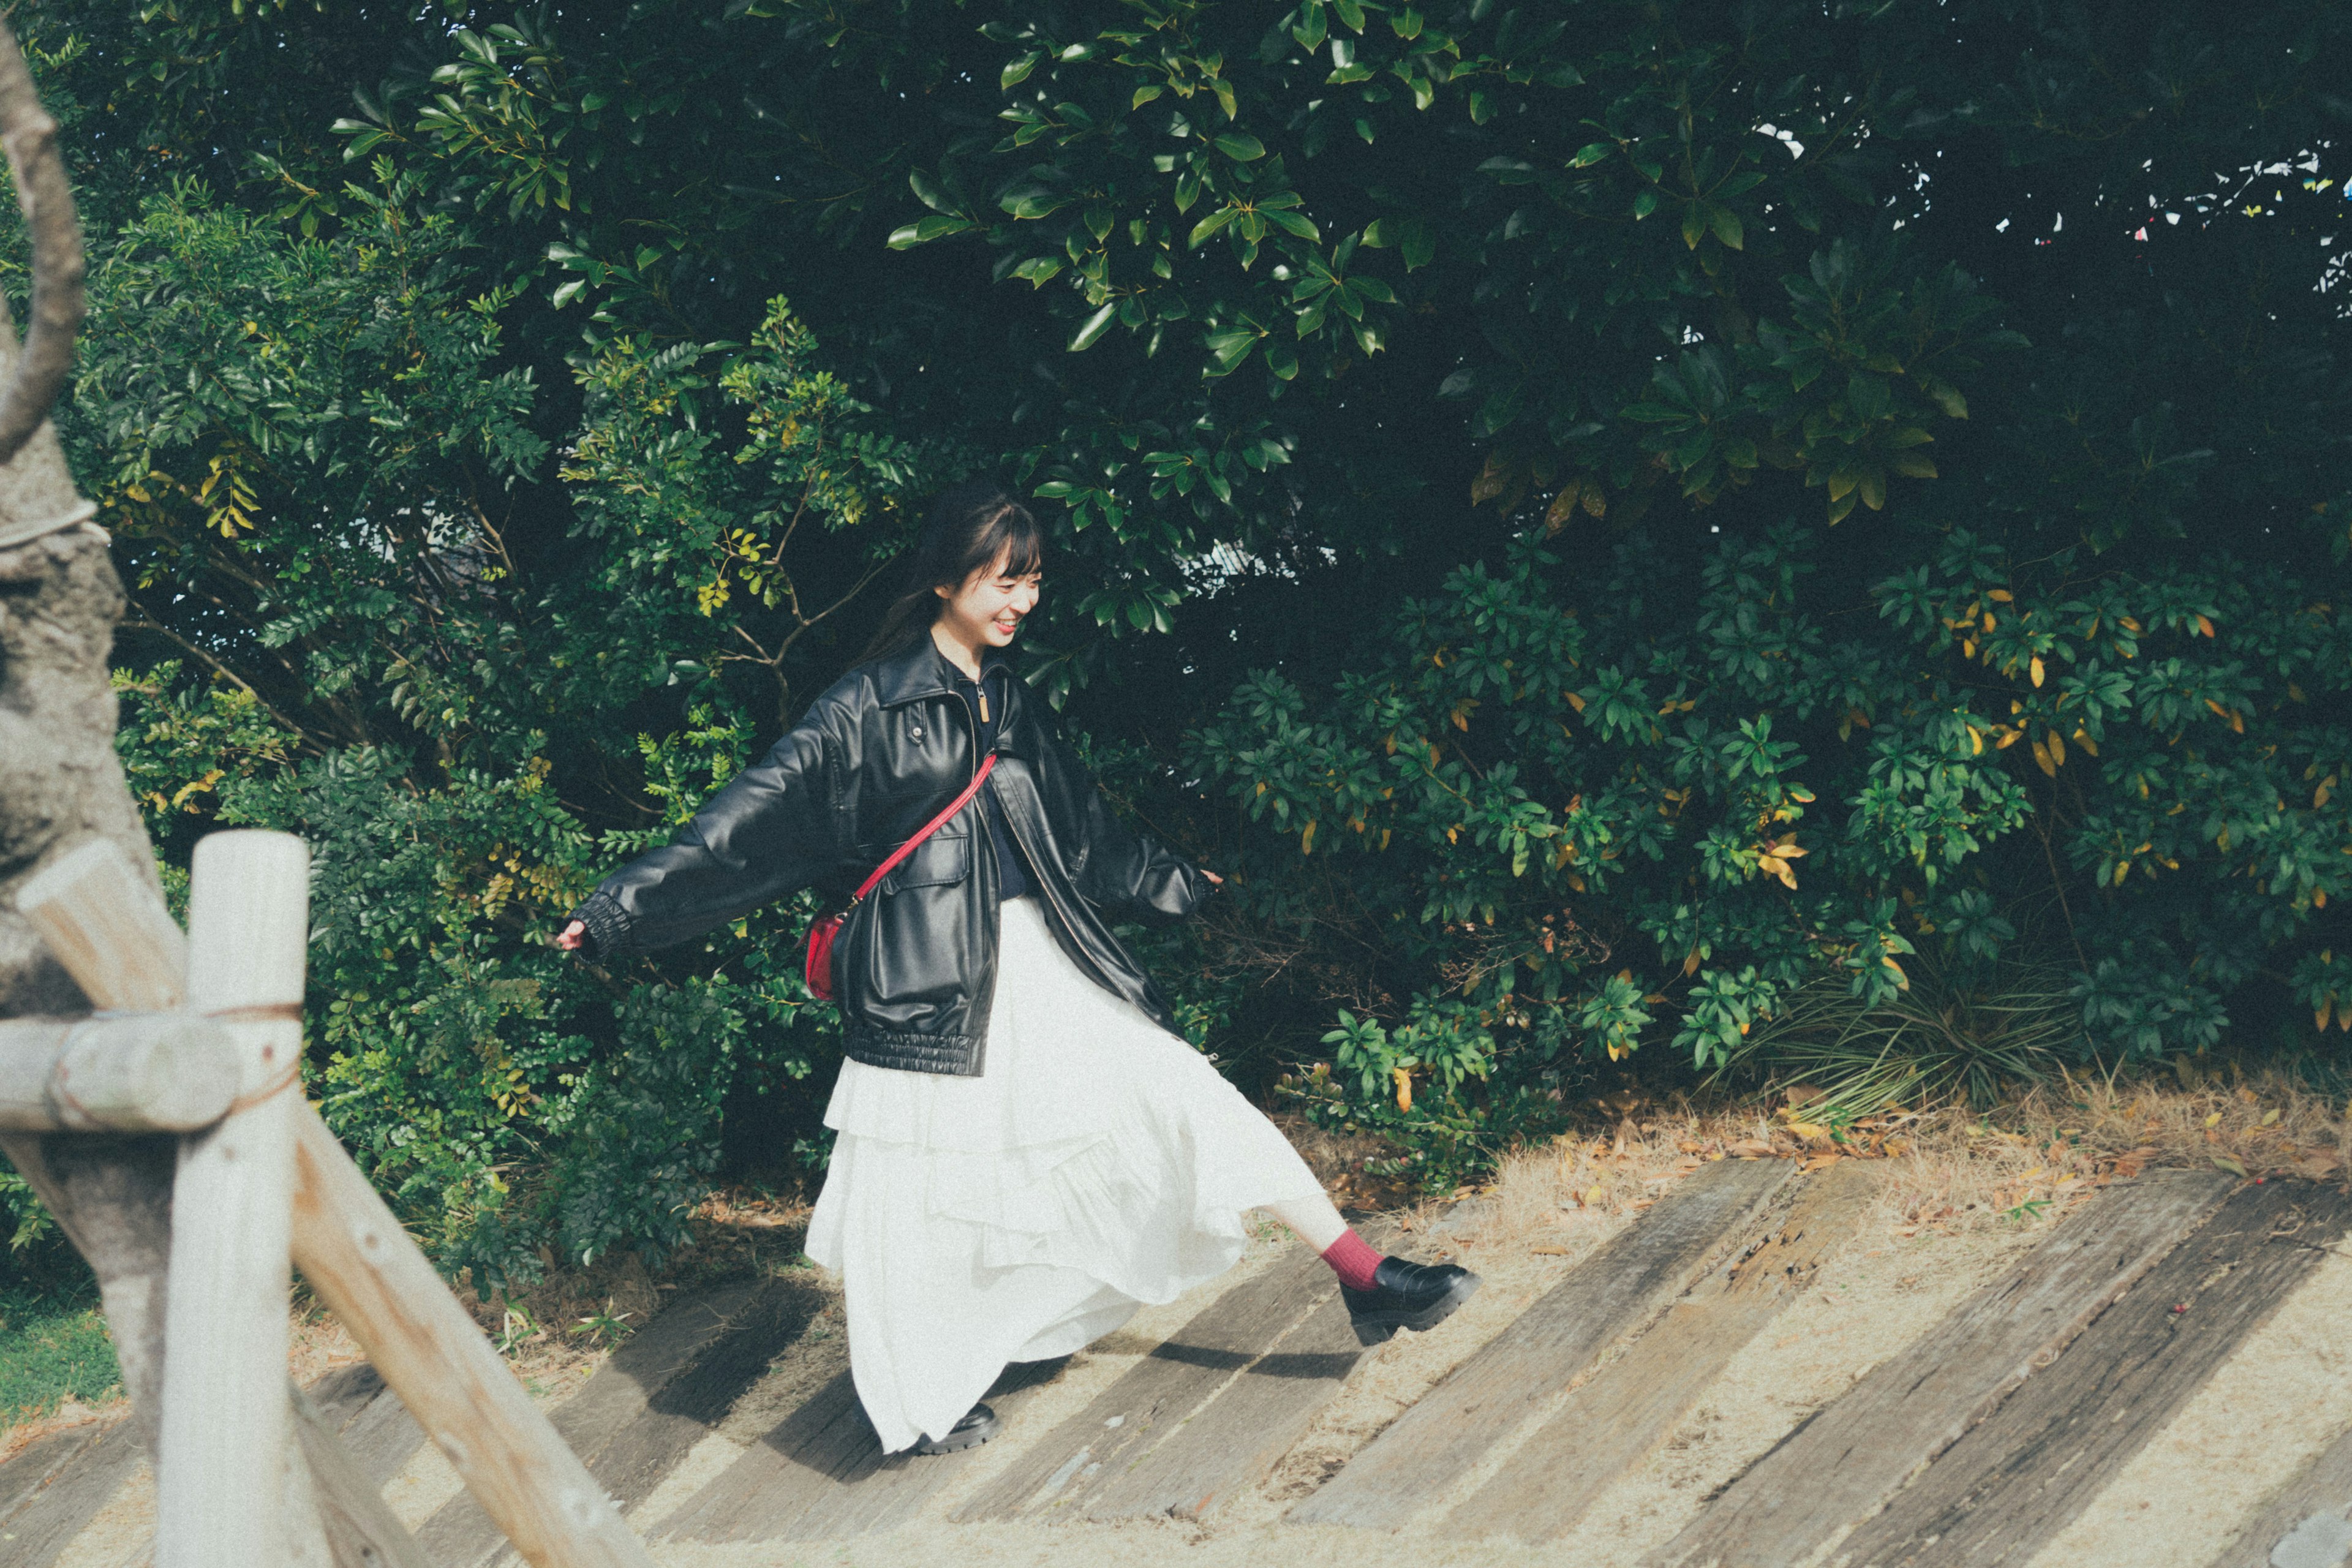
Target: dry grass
{"type": "Point", "coordinates": [1948, 1171]}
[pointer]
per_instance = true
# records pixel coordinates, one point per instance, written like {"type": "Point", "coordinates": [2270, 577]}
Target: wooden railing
{"type": "Point", "coordinates": [201, 1035]}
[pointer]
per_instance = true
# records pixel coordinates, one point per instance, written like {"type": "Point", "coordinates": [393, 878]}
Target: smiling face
{"type": "Point", "coordinates": [987, 609]}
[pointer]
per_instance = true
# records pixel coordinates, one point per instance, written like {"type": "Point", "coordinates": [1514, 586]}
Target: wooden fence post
{"type": "Point", "coordinates": [219, 1498]}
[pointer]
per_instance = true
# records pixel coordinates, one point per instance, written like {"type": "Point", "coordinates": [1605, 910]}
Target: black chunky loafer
{"type": "Point", "coordinates": [978, 1425]}
{"type": "Point", "coordinates": [1414, 1296]}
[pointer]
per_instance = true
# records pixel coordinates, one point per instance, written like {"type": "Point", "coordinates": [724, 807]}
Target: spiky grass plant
{"type": "Point", "coordinates": [1944, 1040]}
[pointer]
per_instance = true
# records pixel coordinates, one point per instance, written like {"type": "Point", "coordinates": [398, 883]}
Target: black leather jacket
{"type": "Point", "coordinates": [877, 756]}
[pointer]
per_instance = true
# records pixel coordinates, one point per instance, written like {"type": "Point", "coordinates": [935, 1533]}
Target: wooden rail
{"type": "Point", "coordinates": [269, 1183]}
{"type": "Point", "coordinates": [140, 1072]}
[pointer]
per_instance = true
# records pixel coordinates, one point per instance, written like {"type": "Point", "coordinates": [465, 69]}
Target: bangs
{"type": "Point", "coordinates": [1013, 537]}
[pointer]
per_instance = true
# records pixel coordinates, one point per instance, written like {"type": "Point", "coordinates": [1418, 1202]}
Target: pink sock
{"type": "Point", "coordinates": [1352, 1258]}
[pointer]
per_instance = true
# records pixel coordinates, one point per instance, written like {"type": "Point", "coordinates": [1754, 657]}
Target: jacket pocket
{"type": "Point", "coordinates": [938, 861]}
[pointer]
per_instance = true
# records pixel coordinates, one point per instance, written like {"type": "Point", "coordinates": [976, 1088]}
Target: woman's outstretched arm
{"type": "Point", "coordinates": [1130, 874]}
{"type": "Point", "coordinates": [772, 831]}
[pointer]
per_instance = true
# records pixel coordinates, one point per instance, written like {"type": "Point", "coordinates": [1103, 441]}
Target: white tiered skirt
{"type": "Point", "coordinates": [1098, 1164]}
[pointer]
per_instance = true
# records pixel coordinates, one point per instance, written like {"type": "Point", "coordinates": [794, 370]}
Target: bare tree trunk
{"type": "Point", "coordinates": [60, 781]}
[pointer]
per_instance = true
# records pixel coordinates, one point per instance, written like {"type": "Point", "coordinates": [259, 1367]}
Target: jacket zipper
{"type": "Point", "coordinates": [1045, 883]}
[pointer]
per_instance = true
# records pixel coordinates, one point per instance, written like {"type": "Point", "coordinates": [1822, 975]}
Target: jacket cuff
{"type": "Point", "coordinates": [608, 926]}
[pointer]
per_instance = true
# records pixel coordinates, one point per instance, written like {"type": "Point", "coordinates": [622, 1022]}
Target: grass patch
{"type": "Point", "coordinates": [1941, 1042]}
{"type": "Point", "coordinates": [53, 1347]}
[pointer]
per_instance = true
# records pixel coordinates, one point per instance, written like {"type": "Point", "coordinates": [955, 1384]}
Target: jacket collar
{"type": "Point", "coordinates": [921, 670]}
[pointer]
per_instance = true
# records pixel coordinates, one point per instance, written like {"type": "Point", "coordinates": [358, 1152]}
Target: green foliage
{"type": "Point", "coordinates": [379, 687]}
{"type": "Point", "coordinates": [53, 1347]}
{"type": "Point", "coordinates": [1630, 523]}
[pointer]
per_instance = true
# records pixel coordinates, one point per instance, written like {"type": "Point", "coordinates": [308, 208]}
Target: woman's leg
{"type": "Point", "coordinates": [1384, 1294]}
{"type": "Point", "coordinates": [1317, 1223]}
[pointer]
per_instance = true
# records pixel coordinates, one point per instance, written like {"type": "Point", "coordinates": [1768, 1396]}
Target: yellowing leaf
{"type": "Point", "coordinates": [2035, 668]}
{"type": "Point", "coordinates": [1403, 1088]}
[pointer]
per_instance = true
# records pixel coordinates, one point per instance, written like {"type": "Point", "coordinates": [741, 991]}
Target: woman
{"type": "Point", "coordinates": [1027, 1151]}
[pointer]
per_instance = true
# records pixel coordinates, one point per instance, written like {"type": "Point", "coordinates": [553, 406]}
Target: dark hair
{"type": "Point", "coordinates": [968, 529]}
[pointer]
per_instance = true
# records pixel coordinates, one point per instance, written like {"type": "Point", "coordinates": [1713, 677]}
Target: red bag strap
{"type": "Point", "coordinates": [986, 766]}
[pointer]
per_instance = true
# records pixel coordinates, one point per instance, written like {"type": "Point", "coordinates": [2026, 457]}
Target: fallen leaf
{"type": "Point", "coordinates": [2223, 1162]}
{"type": "Point", "coordinates": [1752, 1149]}
{"type": "Point", "coordinates": [1802, 1094]}
{"type": "Point", "coordinates": [2318, 1167]}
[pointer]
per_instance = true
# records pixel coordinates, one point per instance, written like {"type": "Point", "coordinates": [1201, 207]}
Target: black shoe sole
{"type": "Point", "coordinates": [957, 1442]}
{"type": "Point", "coordinates": [1379, 1327]}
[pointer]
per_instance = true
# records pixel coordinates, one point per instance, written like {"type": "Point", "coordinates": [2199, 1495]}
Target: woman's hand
{"type": "Point", "coordinates": [570, 938]}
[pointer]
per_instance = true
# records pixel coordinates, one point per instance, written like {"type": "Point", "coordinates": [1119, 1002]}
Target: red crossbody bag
{"type": "Point", "coordinates": [819, 966]}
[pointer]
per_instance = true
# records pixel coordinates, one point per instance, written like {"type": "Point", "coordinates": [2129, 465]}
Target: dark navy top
{"type": "Point", "coordinates": [995, 678]}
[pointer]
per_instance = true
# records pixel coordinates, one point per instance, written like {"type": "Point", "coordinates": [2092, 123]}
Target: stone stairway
{"type": "Point", "coordinates": [1980, 1443]}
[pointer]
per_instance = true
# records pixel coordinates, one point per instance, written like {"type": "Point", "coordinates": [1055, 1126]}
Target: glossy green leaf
{"type": "Point", "coordinates": [1094, 327]}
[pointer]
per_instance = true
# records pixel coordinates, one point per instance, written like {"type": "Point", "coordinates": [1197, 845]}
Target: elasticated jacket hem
{"type": "Point", "coordinates": [956, 1055]}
